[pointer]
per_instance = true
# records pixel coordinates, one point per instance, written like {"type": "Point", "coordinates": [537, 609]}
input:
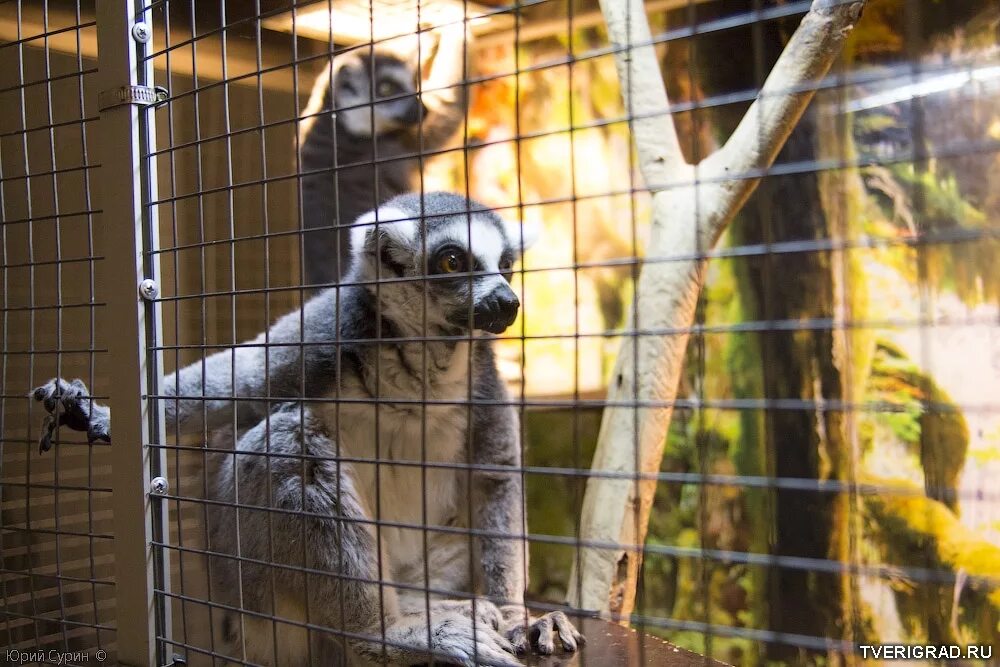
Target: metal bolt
{"type": "Point", "coordinates": [149, 289]}
{"type": "Point", "coordinates": [158, 486]}
{"type": "Point", "coordinates": [141, 33]}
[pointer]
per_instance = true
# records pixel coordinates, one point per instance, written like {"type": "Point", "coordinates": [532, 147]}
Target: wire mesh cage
{"type": "Point", "coordinates": [739, 395]}
{"type": "Point", "coordinates": [57, 563]}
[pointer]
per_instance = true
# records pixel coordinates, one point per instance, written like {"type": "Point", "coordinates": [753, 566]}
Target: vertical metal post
{"type": "Point", "coordinates": [126, 182]}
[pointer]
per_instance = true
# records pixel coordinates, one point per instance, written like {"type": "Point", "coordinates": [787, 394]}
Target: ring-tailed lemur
{"type": "Point", "coordinates": [418, 395]}
{"type": "Point", "coordinates": [362, 138]}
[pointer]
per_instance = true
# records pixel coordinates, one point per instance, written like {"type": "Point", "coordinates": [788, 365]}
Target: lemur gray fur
{"type": "Point", "coordinates": [428, 276]}
{"type": "Point", "coordinates": [349, 146]}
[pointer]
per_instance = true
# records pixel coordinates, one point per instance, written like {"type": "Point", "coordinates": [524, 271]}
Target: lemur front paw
{"type": "Point", "coordinates": [69, 404]}
{"type": "Point", "coordinates": [529, 633]}
{"type": "Point", "coordinates": [455, 637]}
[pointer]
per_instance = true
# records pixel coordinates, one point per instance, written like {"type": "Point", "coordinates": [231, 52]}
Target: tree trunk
{"type": "Point", "coordinates": [798, 364]}
{"type": "Point", "coordinates": [804, 364]}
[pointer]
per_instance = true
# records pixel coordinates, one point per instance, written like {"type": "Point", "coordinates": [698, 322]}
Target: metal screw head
{"type": "Point", "coordinates": [141, 32]}
{"type": "Point", "coordinates": [158, 485]}
{"type": "Point", "coordinates": [149, 289]}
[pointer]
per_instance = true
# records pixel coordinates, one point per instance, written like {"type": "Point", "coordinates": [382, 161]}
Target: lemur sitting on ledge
{"type": "Point", "coordinates": [418, 395]}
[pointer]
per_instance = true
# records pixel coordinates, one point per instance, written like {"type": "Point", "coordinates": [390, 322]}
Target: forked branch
{"type": "Point", "coordinates": [687, 221]}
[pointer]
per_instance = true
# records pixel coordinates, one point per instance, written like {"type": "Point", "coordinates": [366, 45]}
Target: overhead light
{"type": "Point", "coordinates": [906, 88]}
{"type": "Point", "coordinates": [359, 21]}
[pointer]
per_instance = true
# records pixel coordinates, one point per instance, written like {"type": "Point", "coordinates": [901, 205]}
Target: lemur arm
{"type": "Point", "coordinates": [497, 496]}
{"type": "Point", "coordinates": [442, 93]}
{"type": "Point", "coordinates": [205, 389]}
{"type": "Point", "coordinates": [499, 519]}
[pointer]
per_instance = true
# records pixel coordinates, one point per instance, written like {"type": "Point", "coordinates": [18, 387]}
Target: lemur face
{"type": "Point", "coordinates": [458, 260]}
{"type": "Point", "coordinates": [471, 263]}
{"type": "Point", "coordinates": [394, 104]}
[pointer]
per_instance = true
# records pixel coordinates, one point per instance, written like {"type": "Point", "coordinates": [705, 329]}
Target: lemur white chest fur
{"type": "Point", "coordinates": [402, 436]}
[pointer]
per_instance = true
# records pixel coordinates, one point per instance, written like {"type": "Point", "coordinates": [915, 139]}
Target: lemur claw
{"type": "Point", "coordinates": [69, 404]}
{"type": "Point", "coordinates": [539, 633]}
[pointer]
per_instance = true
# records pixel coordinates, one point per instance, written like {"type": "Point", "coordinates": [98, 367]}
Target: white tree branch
{"type": "Point", "coordinates": [780, 103]}
{"type": "Point", "coordinates": [644, 94]}
{"type": "Point", "coordinates": [687, 220]}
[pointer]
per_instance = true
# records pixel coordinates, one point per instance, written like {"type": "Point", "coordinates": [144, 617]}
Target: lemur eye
{"type": "Point", "coordinates": [386, 88]}
{"type": "Point", "coordinates": [450, 262]}
{"type": "Point", "coordinates": [506, 267]}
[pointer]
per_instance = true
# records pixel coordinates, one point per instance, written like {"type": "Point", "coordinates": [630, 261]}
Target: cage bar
{"type": "Point", "coordinates": [128, 181]}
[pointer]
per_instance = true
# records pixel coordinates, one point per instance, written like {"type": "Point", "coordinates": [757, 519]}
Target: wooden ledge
{"type": "Point", "coordinates": [611, 645]}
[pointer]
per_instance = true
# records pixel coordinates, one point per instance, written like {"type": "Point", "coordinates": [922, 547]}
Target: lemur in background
{"type": "Point", "coordinates": [429, 275]}
{"type": "Point", "coordinates": [365, 108]}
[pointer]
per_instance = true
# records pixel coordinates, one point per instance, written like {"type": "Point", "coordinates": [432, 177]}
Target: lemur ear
{"type": "Point", "coordinates": [523, 235]}
{"type": "Point", "coordinates": [391, 222]}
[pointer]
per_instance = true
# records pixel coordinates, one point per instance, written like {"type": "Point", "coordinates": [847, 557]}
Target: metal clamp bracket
{"type": "Point", "coordinates": [142, 96]}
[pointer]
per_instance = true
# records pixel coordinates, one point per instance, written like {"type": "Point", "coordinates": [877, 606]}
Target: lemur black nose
{"type": "Point", "coordinates": [497, 310]}
{"type": "Point", "coordinates": [412, 114]}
